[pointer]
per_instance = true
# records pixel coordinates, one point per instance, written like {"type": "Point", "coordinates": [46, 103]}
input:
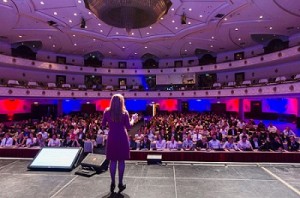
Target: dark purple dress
{"type": "Point", "coordinates": [117, 147]}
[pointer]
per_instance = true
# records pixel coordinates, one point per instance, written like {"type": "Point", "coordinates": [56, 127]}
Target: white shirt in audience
{"type": "Point", "coordinates": [172, 145]}
{"type": "Point", "coordinates": [7, 142]}
{"type": "Point", "coordinates": [160, 144]}
{"type": "Point", "coordinates": [229, 145]}
{"type": "Point", "coordinates": [244, 145]}
{"type": "Point", "coordinates": [54, 143]}
{"type": "Point", "coordinates": [196, 137]}
{"type": "Point", "coordinates": [30, 142]}
{"type": "Point", "coordinates": [214, 144]}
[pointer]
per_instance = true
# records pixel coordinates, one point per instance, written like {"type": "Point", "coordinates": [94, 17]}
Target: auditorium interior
{"type": "Point", "coordinates": [215, 84]}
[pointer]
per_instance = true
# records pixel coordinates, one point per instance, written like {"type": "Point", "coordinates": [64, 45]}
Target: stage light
{"type": "Point", "coordinates": [183, 19]}
{"type": "Point", "coordinates": [82, 23]}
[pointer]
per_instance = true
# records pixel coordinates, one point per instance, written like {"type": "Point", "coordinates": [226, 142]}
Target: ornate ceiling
{"type": "Point", "coordinates": [212, 25]}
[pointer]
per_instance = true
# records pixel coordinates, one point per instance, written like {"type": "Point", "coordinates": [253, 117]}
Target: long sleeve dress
{"type": "Point", "coordinates": [117, 140]}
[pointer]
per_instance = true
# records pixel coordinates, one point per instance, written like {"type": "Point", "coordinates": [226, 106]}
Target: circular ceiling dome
{"type": "Point", "coordinates": [129, 14]}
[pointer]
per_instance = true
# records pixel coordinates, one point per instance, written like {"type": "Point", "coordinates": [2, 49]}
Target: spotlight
{"type": "Point", "coordinates": [51, 23]}
{"type": "Point", "coordinates": [82, 23]}
{"type": "Point", "coordinates": [183, 18]}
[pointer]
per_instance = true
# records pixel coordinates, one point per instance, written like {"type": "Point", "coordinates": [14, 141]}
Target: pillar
{"type": "Point", "coordinates": [241, 109]}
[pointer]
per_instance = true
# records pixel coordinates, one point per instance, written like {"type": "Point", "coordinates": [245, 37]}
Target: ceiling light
{"type": "Point", "coordinates": [261, 17]}
{"type": "Point", "coordinates": [20, 36]}
{"type": "Point", "coordinates": [79, 1]}
{"type": "Point", "coordinates": [123, 14]}
{"type": "Point", "coordinates": [99, 24]}
{"type": "Point", "coordinates": [173, 21]}
{"type": "Point", "coordinates": [225, 19]}
{"type": "Point", "coordinates": [146, 47]}
{"type": "Point", "coordinates": [50, 37]}
{"type": "Point", "coordinates": [185, 50]}
{"type": "Point", "coordinates": [147, 33]}
{"type": "Point", "coordinates": [236, 29]}
{"type": "Point", "coordinates": [55, 13]}
{"type": "Point", "coordinates": [200, 15]}
{"type": "Point", "coordinates": [74, 35]}
{"type": "Point", "coordinates": [109, 52]}
{"type": "Point", "coordinates": [90, 13]}
{"type": "Point", "coordinates": [132, 33]}
{"type": "Point", "coordinates": [42, 3]}
{"type": "Point", "coordinates": [176, 28]}
{"type": "Point", "coordinates": [117, 33]}
{"type": "Point", "coordinates": [190, 43]}
{"type": "Point", "coordinates": [53, 45]}
{"type": "Point", "coordinates": [75, 44]}
{"type": "Point", "coordinates": [161, 18]}
{"type": "Point", "coordinates": [5, 1]}
{"type": "Point", "coordinates": [189, 23]}
{"type": "Point", "coordinates": [150, 27]}
{"type": "Point", "coordinates": [135, 53]}
{"type": "Point", "coordinates": [239, 39]}
{"type": "Point", "coordinates": [212, 37]}
{"type": "Point", "coordinates": [190, 9]}
{"type": "Point", "coordinates": [211, 46]}
{"type": "Point", "coordinates": [123, 47]}
{"type": "Point", "coordinates": [94, 40]}
{"type": "Point", "coordinates": [75, 14]}
{"type": "Point", "coordinates": [70, 21]}
{"type": "Point", "coordinates": [271, 28]}
{"type": "Point", "coordinates": [101, 30]}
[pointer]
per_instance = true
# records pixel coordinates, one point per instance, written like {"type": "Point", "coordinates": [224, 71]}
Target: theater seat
{"type": "Point", "coordinates": [263, 81]}
{"type": "Point", "coordinates": [66, 86]}
{"type": "Point", "coordinates": [32, 84]}
{"type": "Point", "coordinates": [217, 85]}
{"type": "Point", "coordinates": [12, 83]}
{"type": "Point", "coordinates": [51, 85]}
{"type": "Point", "coordinates": [81, 87]}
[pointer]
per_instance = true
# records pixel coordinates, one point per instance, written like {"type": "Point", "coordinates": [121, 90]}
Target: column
{"type": "Point", "coordinates": [60, 107]}
{"type": "Point", "coordinates": [298, 113]}
{"type": "Point", "coordinates": [241, 109]}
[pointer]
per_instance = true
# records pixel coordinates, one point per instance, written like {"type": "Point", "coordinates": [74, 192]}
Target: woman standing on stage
{"type": "Point", "coordinates": [117, 150]}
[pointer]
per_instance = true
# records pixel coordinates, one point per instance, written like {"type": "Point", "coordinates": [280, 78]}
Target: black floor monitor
{"type": "Point", "coordinates": [62, 159]}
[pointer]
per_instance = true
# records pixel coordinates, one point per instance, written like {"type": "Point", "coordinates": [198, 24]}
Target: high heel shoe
{"type": "Point", "coordinates": [121, 187]}
{"type": "Point", "coordinates": [112, 187]}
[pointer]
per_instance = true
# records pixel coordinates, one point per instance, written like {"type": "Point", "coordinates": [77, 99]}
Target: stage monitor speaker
{"type": "Point", "coordinates": [154, 159]}
{"type": "Point", "coordinates": [95, 162]}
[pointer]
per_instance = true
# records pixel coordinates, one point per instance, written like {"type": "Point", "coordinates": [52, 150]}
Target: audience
{"type": "Point", "coordinates": [172, 131]}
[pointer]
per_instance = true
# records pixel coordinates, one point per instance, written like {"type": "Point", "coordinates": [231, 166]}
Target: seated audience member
{"type": "Point", "coordinates": [40, 141]}
{"type": "Point", "coordinates": [145, 143]}
{"type": "Point", "coordinates": [244, 133]}
{"type": "Point", "coordinates": [7, 141]}
{"type": "Point", "coordinates": [188, 144]}
{"type": "Point", "coordinates": [271, 128]}
{"type": "Point", "coordinates": [214, 143]}
{"type": "Point", "coordinates": [266, 146]}
{"type": "Point", "coordinates": [21, 140]}
{"type": "Point", "coordinates": [287, 132]}
{"type": "Point", "coordinates": [202, 144]}
{"type": "Point", "coordinates": [277, 144]}
{"type": "Point", "coordinates": [293, 145]}
{"type": "Point", "coordinates": [132, 143]}
{"type": "Point", "coordinates": [44, 134]}
{"type": "Point", "coordinates": [261, 126]}
{"type": "Point", "coordinates": [172, 145]}
{"type": "Point", "coordinates": [54, 141]}
{"type": "Point", "coordinates": [230, 145]}
{"type": "Point", "coordinates": [31, 140]}
{"type": "Point", "coordinates": [232, 131]}
{"type": "Point", "coordinates": [197, 136]}
{"type": "Point", "coordinates": [255, 142]}
{"type": "Point", "coordinates": [74, 141]}
{"type": "Point", "coordinates": [244, 144]}
{"type": "Point", "coordinates": [160, 143]}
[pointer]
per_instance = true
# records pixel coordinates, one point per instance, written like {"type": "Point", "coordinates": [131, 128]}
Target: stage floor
{"type": "Point", "coordinates": [172, 180]}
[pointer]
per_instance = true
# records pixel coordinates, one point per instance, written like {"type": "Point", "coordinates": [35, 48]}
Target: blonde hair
{"type": "Point", "coordinates": [117, 107]}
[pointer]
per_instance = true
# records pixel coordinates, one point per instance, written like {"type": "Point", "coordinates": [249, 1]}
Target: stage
{"type": "Point", "coordinates": [169, 180]}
